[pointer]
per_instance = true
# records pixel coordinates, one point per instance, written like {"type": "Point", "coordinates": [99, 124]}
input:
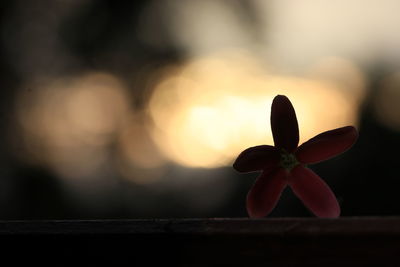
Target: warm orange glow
{"type": "Point", "coordinates": [67, 123]}
{"type": "Point", "coordinates": [208, 110]}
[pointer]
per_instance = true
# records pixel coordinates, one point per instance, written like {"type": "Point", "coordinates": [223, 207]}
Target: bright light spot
{"type": "Point", "coordinates": [68, 123]}
{"type": "Point", "coordinates": [210, 109]}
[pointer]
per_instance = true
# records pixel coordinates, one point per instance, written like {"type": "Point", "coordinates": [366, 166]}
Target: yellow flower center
{"type": "Point", "coordinates": [288, 160]}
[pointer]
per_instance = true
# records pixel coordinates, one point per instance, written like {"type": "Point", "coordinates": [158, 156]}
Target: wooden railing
{"type": "Point", "coordinates": [363, 241]}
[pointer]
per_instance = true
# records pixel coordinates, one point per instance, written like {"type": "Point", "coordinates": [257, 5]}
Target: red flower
{"type": "Point", "coordinates": [284, 164]}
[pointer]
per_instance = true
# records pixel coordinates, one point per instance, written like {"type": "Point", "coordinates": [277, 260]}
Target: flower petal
{"type": "Point", "coordinates": [314, 192]}
{"type": "Point", "coordinates": [326, 145]}
{"type": "Point", "coordinates": [285, 129]}
{"type": "Point", "coordinates": [257, 158]}
{"type": "Point", "coordinates": [264, 195]}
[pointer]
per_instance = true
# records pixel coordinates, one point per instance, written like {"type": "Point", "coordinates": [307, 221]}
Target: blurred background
{"type": "Point", "coordinates": [137, 109]}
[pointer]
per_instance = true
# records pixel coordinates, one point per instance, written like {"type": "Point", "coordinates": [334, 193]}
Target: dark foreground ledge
{"type": "Point", "coordinates": [360, 241]}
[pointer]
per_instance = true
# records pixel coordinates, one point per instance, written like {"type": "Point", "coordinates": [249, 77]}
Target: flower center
{"type": "Point", "coordinates": [288, 160]}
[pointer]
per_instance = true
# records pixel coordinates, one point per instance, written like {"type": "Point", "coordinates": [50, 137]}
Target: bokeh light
{"type": "Point", "coordinates": [209, 109]}
{"type": "Point", "coordinates": [68, 123]}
